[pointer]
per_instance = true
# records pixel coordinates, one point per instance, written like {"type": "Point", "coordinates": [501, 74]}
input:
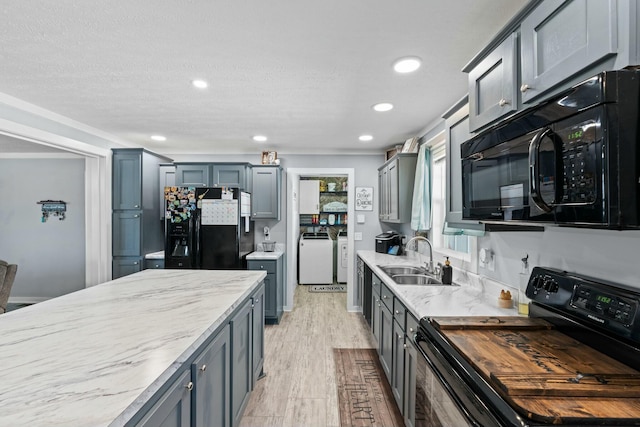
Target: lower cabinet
{"type": "Point", "coordinates": [385, 345]}
{"type": "Point", "coordinates": [397, 369]}
{"type": "Point", "coordinates": [213, 387]}
{"type": "Point", "coordinates": [173, 409]}
{"type": "Point", "coordinates": [126, 266]}
{"type": "Point", "coordinates": [408, 407]}
{"type": "Point", "coordinates": [210, 373]}
{"type": "Point", "coordinates": [274, 286]}
{"type": "Point", "coordinates": [376, 309]}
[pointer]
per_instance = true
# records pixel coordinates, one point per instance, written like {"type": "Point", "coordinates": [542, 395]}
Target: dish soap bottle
{"type": "Point", "coordinates": [447, 272]}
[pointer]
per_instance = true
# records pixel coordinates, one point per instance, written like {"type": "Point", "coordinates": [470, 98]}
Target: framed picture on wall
{"type": "Point", "coordinates": [269, 157]}
{"type": "Point", "coordinates": [364, 198]}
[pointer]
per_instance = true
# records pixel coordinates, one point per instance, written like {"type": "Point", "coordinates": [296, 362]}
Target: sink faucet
{"type": "Point", "coordinates": [417, 238]}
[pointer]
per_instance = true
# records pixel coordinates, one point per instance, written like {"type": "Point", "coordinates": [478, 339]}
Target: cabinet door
{"type": "Point", "coordinates": [562, 37]}
{"type": "Point", "coordinates": [225, 175]}
{"type": "Point", "coordinates": [154, 264]}
{"type": "Point", "coordinates": [386, 340]}
{"type": "Point", "coordinates": [265, 199]}
{"type": "Point", "coordinates": [174, 407]}
{"type": "Point", "coordinates": [193, 175]}
{"type": "Point", "coordinates": [492, 85]}
{"type": "Point", "coordinates": [410, 363]}
{"type": "Point", "coordinates": [241, 361]}
{"type": "Point", "coordinates": [127, 235]}
{"type": "Point", "coordinates": [393, 191]}
{"type": "Point", "coordinates": [309, 197]}
{"type": "Point", "coordinates": [210, 373]}
{"type": "Point", "coordinates": [257, 334]}
{"type": "Point", "coordinates": [376, 307]}
{"type": "Point", "coordinates": [397, 371]}
{"type": "Point", "coordinates": [127, 181]}
{"type": "Point", "coordinates": [125, 266]}
{"type": "Point", "coordinates": [270, 296]}
{"type": "Point", "coordinates": [383, 195]}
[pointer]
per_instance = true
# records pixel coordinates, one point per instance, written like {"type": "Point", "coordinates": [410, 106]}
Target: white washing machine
{"type": "Point", "coordinates": [315, 254]}
{"type": "Point", "coordinates": [343, 257]}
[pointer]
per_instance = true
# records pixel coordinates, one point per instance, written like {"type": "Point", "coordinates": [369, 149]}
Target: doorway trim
{"type": "Point", "coordinates": [293, 227]}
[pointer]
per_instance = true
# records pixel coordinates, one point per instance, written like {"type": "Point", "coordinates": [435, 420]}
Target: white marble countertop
{"type": "Point", "coordinates": [265, 255]}
{"type": "Point", "coordinates": [465, 299]}
{"type": "Point", "coordinates": [95, 356]}
{"type": "Point", "coordinates": [155, 255]}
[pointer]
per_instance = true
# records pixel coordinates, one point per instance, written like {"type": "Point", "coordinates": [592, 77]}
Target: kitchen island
{"type": "Point", "coordinates": [106, 355]}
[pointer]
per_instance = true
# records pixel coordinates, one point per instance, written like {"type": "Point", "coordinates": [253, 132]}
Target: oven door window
{"type": "Point", "coordinates": [496, 181]}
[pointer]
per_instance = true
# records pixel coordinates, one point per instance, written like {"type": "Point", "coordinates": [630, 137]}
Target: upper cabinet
{"type": "Point", "coordinates": [560, 44]}
{"type": "Point", "coordinates": [395, 184]}
{"type": "Point", "coordinates": [492, 85]}
{"type": "Point", "coordinates": [265, 198]}
{"type": "Point", "coordinates": [309, 197]}
{"type": "Point", "coordinates": [214, 175]}
{"type": "Point", "coordinates": [561, 38]}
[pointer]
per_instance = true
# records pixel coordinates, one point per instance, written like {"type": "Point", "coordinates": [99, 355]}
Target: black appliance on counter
{"type": "Point", "coordinates": [573, 160]}
{"type": "Point", "coordinates": [575, 361]}
{"type": "Point", "coordinates": [207, 228]}
{"type": "Point", "coordinates": [389, 242]}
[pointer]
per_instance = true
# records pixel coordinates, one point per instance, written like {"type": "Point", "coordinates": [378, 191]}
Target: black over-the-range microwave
{"type": "Point", "coordinates": [573, 160]}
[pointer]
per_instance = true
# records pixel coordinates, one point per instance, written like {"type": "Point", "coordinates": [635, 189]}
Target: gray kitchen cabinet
{"type": "Point", "coordinates": [397, 367]}
{"type": "Point", "coordinates": [241, 361]}
{"type": "Point", "coordinates": [395, 183]}
{"type": "Point", "coordinates": [210, 374]}
{"type": "Point", "coordinates": [173, 409]}
{"type": "Point", "coordinates": [232, 175]}
{"type": "Point", "coordinates": [385, 345]}
{"type": "Point", "coordinates": [376, 305]}
{"type": "Point", "coordinates": [493, 85]}
{"type": "Point", "coordinates": [123, 266]}
{"type": "Point", "coordinates": [153, 263]}
{"type": "Point", "coordinates": [410, 362]}
{"type": "Point", "coordinates": [193, 174]}
{"type": "Point", "coordinates": [456, 132]}
{"type": "Point", "coordinates": [257, 335]}
{"type": "Point", "coordinates": [266, 194]}
{"type": "Point", "coordinates": [137, 228]}
{"type": "Point", "coordinates": [560, 38]}
{"type": "Point", "coordinates": [274, 286]}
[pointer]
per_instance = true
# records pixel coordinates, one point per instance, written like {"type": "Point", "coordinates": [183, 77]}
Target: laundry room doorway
{"type": "Point", "coordinates": [335, 207]}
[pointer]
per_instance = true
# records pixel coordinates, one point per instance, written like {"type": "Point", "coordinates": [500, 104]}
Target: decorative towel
{"type": "Point", "coordinates": [421, 206]}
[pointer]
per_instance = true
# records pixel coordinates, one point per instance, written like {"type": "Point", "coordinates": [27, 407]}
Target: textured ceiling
{"type": "Point", "coordinates": [304, 73]}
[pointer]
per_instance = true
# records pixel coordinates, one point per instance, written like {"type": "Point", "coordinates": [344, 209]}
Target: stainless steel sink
{"type": "Point", "coordinates": [416, 279]}
{"type": "Point", "coordinates": [393, 270]}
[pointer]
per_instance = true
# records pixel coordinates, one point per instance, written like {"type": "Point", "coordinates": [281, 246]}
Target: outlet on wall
{"type": "Point", "coordinates": [357, 236]}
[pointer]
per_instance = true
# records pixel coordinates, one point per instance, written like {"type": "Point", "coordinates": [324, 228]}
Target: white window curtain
{"type": "Point", "coordinates": [421, 206]}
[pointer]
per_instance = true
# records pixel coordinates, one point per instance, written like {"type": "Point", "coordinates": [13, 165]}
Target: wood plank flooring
{"type": "Point", "coordinates": [300, 386]}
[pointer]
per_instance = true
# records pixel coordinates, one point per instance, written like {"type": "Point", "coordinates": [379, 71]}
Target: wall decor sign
{"type": "Point", "coordinates": [364, 198]}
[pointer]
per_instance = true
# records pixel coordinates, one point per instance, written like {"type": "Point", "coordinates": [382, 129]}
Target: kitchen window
{"type": "Point", "coordinates": [452, 245]}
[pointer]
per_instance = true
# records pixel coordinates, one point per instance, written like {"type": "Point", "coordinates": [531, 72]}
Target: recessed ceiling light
{"type": "Point", "coordinates": [365, 138]}
{"type": "Point", "coordinates": [383, 106]}
{"type": "Point", "coordinates": [158, 138]}
{"type": "Point", "coordinates": [407, 65]}
{"type": "Point", "coordinates": [200, 84]}
{"type": "Point", "coordinates": [259, 138]}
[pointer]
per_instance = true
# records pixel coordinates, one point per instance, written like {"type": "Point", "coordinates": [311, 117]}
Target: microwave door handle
{"type": "Point", "coordinates": [534, 171]}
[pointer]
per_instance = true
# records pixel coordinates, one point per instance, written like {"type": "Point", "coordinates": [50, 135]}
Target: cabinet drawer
{"type": "Point", "coordinates": [268, 266]}
{"type": "Point", "coordinates": [412, 325]}
{"type": "Point", "coordinates": [399, 312]}
{"type": "Point", "coordinates": [386, 296]}
{"type": "Point", "coordinates": [153, 263]}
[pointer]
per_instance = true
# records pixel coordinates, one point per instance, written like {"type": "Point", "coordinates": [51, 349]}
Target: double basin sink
{"type": "Point", "coordinates": [408, 275]}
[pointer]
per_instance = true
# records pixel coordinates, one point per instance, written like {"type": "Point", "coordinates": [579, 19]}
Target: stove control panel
{"type": "Point", "coordinates": [607, 305]}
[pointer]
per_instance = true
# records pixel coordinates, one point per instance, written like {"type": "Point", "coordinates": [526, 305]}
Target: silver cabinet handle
{"type": "Point", "coordinates": [502, 102]}
{"type": "Point", "coordinates": [252, 305]}
{"type": "Point", "coordinates": [524, 88]}
{"type": "Point", "coordinates": [405, 346]}
{"type": "Point", "coordinates": [136, 216]}
{"type": "Point", "coordinates": [257, 301]}
{"type": "Point", "coordinates": [384, 297]}
{"type": "Point", "coordinates": [379, 304]}
{"type": "Point", "coordinates": [189, 386]}
{"type": "Point", "coordinates": [399, 337]}
{"type": "Point", "coordinates": [410, 329]}
{"type": "Point", "coordinates": [203, 368]}
{"type": "Point", "coordinates": [135, 262]}
{"type": "Point", "coordinates": [397, 312]}
{"type": "Point", "coordinates": [136, 206]}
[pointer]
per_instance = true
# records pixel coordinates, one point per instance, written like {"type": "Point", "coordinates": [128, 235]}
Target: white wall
{"type": "Point", "coordinates": [50, 255]}
{"type": "Point", "coordinates": [603, 254]}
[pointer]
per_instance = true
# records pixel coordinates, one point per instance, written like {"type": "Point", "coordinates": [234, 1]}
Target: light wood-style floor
{"type": "Point", "coordinates": [300, 386]}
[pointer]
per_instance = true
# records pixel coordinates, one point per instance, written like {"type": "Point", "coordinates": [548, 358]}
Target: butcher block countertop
{"type": "Point", "coordinates": [547, 375]}
{"type": "Point", "coordinates": [95, 356]}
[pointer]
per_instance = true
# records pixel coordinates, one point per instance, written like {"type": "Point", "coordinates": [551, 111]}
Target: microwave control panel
{"type": "Point", "coordinates": [579, 145]}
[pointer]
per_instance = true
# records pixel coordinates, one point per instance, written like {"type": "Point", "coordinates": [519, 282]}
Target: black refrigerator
{"type": "Point", "coordinates": [208, 228]}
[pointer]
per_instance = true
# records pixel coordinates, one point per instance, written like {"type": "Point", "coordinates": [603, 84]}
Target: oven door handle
{"type": "Point", "coordinates": [534, 168]}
